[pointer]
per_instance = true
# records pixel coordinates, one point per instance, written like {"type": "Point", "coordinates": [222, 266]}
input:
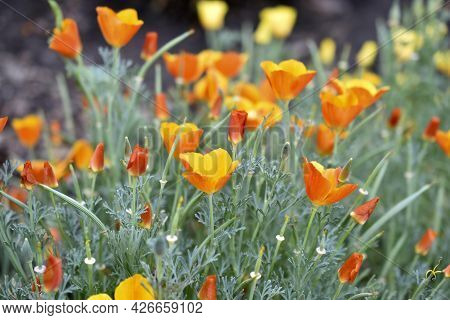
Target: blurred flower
{"type": "Point", "coordinates": [118, 28]}
{"type": "Point", "coordinates": [210, 172]}
{"type": "Point", "coordinates": [81, 154]}
{"type": "Point", "coordinates": [28, 179]}
{"type": "Point", "coordinates": [280, 19]}
{"type": "Point", "coordinates": [212, 14]}
{"type": "Point", "coordinates": [134, 288]}
{"type": "Point", "coordinates": [230, 63]}
{"type": "Point", "coordinates": [367, 54]}
{"type": "Point", "coordinates": [137, 165]}
{"type": "Point", "coordinates": [322, 185]}
{"type": "Point", "coordinates": [257, 112]}
{"type": "Point", "coordinates": [394, 118]}
{"type": "Point", "coordinates": [308, 127]}
{"type": "Point", "coordinates": [263, 33]}
{"type": "Point", "coordinates": [49, 178]}
{"type": "Point", "coordinates": [442, 62]}
{"type": "Point", "coordinates": [208, 291]}
{"type": "Point", "coordinates": [288, 78]}
{"type": "Point", "coordinates": [38, 169]}
{"type": "Point", "coordinates": [339, 110]}
{"type": "Point", "coordinates": [100, 296]}
{"type": "Point", "coordinates": [447, 271]}
{"type": "Point", "coordinates": [364, 90]}
{"type": "Point", "coordinates": [18, 194]}
{"type": "Point", "coordinates": [28, 129]}
{"type": "Point", "coordinates": [432, 128]}
{"type": "Point", "coordinates": [211, 89]}
{"type": "Point", "coordinates": [66, 39]}
{"type": "Point", "coordinates": [327, 50]}
{"type": "Point", "coordinates": [248, 91]}
{"type": "Point", "coordinates": [161, 109]}
{"type": "Point", "coordinates": [55, 132]}
{"type": "Point", "coordinates": [184, 67]}
{"type": "Point", "coordinates": [146, 217]}
{"type": "Point", "coordinates": [406, 43]}
{"type": "Point", "coordinates": [236, 127]}
{"type": "Point", "coordinates": [423, 246]}
{"type": "Point", "coordinates": [97, 162]}
{"type": "Point", "coordinates": [53, 274]}
{"type": "Point", "coordinates": [372, 77]}
{"type": "Point", "coordinates": [3, 121]}
{"type": "Point", "coordinates": [265, 90]}
{"type": "Point", "coordinates": [443, 140]}
{"type": "Point", "coordinates": [150, 45]}
{"type": "Point", "coordinates": [325, 140]}
{"type": "Point", "coordinates": [362, 213]}
{"type": "Point", "coordinates": [189, 140]}
{"type": "Point", "coordinates": [350, 269]}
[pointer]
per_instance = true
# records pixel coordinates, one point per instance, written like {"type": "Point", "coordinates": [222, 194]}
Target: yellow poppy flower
{"type": "Point", "coordinates": [28, 129]}
{"type": "Point", "coordinates": [367, 54]}
{"type": "Point", "coordinates": [189, 137]}
{"type": "Point", "coordinates": [212, 14]}
{"type": "Point", "coordinates": [280, 19]}
{"type": "Point", "coordinates": [327, 51]}
{"type": "Point", "coordinates": [134, 288]}
{"type": "Point", "coordinates": [100, 296]}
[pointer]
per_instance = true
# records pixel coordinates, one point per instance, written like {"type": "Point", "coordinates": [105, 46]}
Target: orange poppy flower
{"type": "Point", "coordinates": [230, 63]}
{"type": "Point", "coordinates": [210, 172]}
{"type": "Point", "coordinates": [28, 179]}
{"type": "Point", "coordinates": [211, 88]}
{"type": "Point", "coordinates": [49, 178]}
{"type": "Point", "coordinates": [184, 67]}
{"type": "Point", "coordinates": [97, 162]}
{"type": "Point", "coordinates": [161, 109]}
{"type": "Point", "coordinates": [364, 90]}
{"type": "Point", "coordinates": [322, 185]}
{"type": "Point", "coordinates": [395, 117]}
{"type": "Point", "coordinates": [134, 288]}
{"type": "Point", "coordinates": [236, 127]}
{"type": "Point", "coordinates": [257, 112]}
{"type": "Point", "coordinates": [53, 274]}
{"type": "Point", "coordinates": [55, 131]}
{"type": "Point", "coordinates": [150, 45]}
{"type": "Point", "coordinates": [447, 271]}
{"type": "Point", "coordinates": [248, 91]}
{"type": "Point", "coordinates": [28, 129]}
{"type": "Point", "coordinates": [39, 172]}
{"type": "Point", "coordinates": [443, 140]}
{"type": "Point", "coordinates": [81, 154]}
{"type": "Point", "coordinates": [137, 165]}
{"type": "Point", "coordinates": [3, 121]}
{"type": "Point", "coordinates": [339, 110]}
{"type": "Point", "coordinates": [66, 39]}
{"type": "Point", "coordinates": [423, 246]}
{"type": "Point", "coordinates": [19, 194]}
{"type": "Point", "coordinates": [288, 78]}
{"type": "Point", "coordinates": [432, 128]}
{"type": "Point", "coordinates": [146, 217]}
{"type": "Point", "coordinates": [118, 28]}
{"type": "Point", "coordinates": [325, 140]}
{"type": "Point", "coordinates": [266, 90]}
{"type": "Point", "coordinates": [189, 139]}
{"type": "Point", "coordinates": [208, 291]}
{"type": "Point", "coordinates": [350, 269]}
{"type": "Point", "coordinates": [362, 213]}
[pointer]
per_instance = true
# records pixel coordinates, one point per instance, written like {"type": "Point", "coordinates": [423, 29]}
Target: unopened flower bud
{"type": "Point", "coordinates": [345, 172]}
{"type": "Point", "coordinates": [285, 152]}
{"type": "Point", "coordinates": [160, 246]}
{"type": "Point", "coordinates": [27, 253]}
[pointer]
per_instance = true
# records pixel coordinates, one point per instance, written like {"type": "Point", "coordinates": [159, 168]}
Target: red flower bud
{"type": "Point", "coordinates": [236, 127]}
{"type": "Point", "coordinates": [137, 165]}
{"type": "Point", "coordinates": [150, 45]}
{"type": "Point", "coordinates": [395, 117]}
{"type": "Point", "coordinates": [208, 291]}
{"type": "Point", "coordinates": [97, 162]}
{"type": "Point", "coordinates": [27, 177]}
{"type": "Point", "coordinates": [349, 270]}
{"type": "Point", "coordinates": [431, 129]}
{"type": "Point", "coordinates": [425, 243]}
{"type": "Point", "coordinates": [3, 121]}
{"type": "Point", "coordinates": [161, 109]}
{"type": "Point", "coordinates": [362, 213]}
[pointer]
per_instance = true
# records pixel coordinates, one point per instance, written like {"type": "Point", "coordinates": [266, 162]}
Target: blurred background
{"type": "Point", "coordinates": [28, 68]}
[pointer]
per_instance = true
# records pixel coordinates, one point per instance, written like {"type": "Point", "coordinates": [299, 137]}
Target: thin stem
{"type": "Point", "coordinates": [308, 228]}
{"type": "Point", "coordinates": [422, 285]}
{"type": "Point", "coordinates": [346, 234]}
{"type": "Point", "coordinates": [211, 214]}
{"type": "Point", "coordinates": [256, 273]}
{"type": "Point", "coordinates": [338, 291]}
{"type": "Point", "coordinates": [279, 241]}
{"type": "Point", "coordinates": [436, 289]}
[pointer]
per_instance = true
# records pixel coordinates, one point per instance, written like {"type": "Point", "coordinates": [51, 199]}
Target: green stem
{"type": "Point", "coordinates": [346, 234]}
{"type": "Point", "coordinates": [422, 285]}
{"type": "Point", "coordinates": [211, 214]}
{"type": "Point", "coordinates": [277, 248]}
{"type": "Point", "coordinates": [338, 291]}
{"type": "Point", "coordinates": [308, 228]}
{"type": "Point", "coordinates": [257, 268]}
{"type": "Point", "coordinates": [439, 286]}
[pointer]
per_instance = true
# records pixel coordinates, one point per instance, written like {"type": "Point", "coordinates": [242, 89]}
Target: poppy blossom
{"type": "Point", "coordinates": [161, 109]}
{"type": "Point", "coordinates": [288, 78]}
{"type": "Point", "coordinates": [49, 178]}
{"type": "Point", "coordinates": [367, 54]}
{"type": "Point", "coordinates": [350, 269]}
{"type": "Point", "coordinates": [150, 45]}
{"type": "Point", "coordinates": [184, 67]}
{"type": "Point", "coordinates": [257, 112]}
{"type": "Point", "coordinates": [423, 246]}
{"type": "Point", "coordinates": [135, 287]}
{"type": "Point", "coordinates": [339, 110]}
{"type": "Point", "coordinates": [28, 129]}
{"type": "Point", "coordinates": [212, 14]}
{"type": "Point", "coordinates": [28, 179]}
{"type": "Point", "coordinates": [236, 127]}
{"type": "Point", "coordinates": [362, 213]}
{"type": "Point", "coordinates": [210, 172]}
{"type": "Point", "coordinates": [322, 185]}
{"type": "Point", "coordinates": [279, 19]}
{"type": "Point", "coordinates": [441, 59]}
{"type": "Point", "coordinates": [38, 169]}
{"type": "Point", "coordinates": [432, 128]}
{"type": "Point", "coordinates": [3, 121]}
{"type": "Point", "coordinates": [327, 50]}
{"type": "Point", "coordinates": [443, 140]}
{"type": "Point", "coordinates": [325, 140]}
{"type": "Point", "coordinates": [66, 39]}
{"type": "Point", "coordinates": [189, 139]}
{"type": "Point", "coordinates": [97, 162]}
{"type": "Point", "coordinates": [230, 63]}
{"type": "Point", "coordinates": [100, 296]}
{"type": "Point", "coordinates": [447, 271]}
{"type": "Point", "coordinates": [211, 88]}
{"type": "Point", "coordinates": [53, 274]}
{"type": "Point", "coordinates": [208, 291]}
{"type": "Point", "coordinates": [146, 217]}
{"type": "Point", "coordinates": [137, 165]}
{"type": "Point", "coordinates": [395, 117]}
{"type": "Point", "coordinates": [118, 28]}
{"type": "Point", "coordinates": [81, 154]}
